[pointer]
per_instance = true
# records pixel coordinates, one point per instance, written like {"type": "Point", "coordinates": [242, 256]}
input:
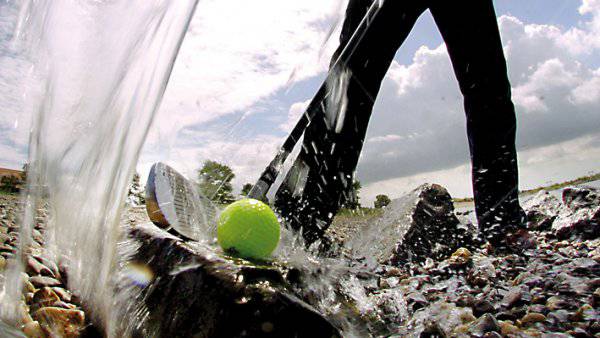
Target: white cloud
{"type": "Point", "coordinates": [296, 110]}
{"type": "Point", "coordinates": [238, 52]}
{"type": "Point", "coordinates": [386, 138]}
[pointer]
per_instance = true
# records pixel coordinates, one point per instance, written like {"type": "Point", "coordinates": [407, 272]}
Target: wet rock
{"type": "Point", "coordinates": [556, 303]}
{"type": "Point", "coordinates": [581, 217]}
{"type": "Point", "coordinates": [416, 300]}
{"type": "Point", "coordinates": [41, 281]}
{"type": "Point", "coordinates": [214, 295]}
{"type": "Point", "coordinates": [33, 330]}
{"type": "Point", "coordinates": [542, 209]}
{"type": "Point", "coordinates": [50, 264]}
{"type": "Point", "coordinates": [460, 257]}
{"type": "Point", "coordinates": [421, 224]}
{"type": "Point", "coordinates": [581, 197]}
{"type": "Point", "coordinates": [585, 312]}
{"type": "Point", "coordinates": [482, 271]}
{"type": "Point", "coordinates": [559, 316]}
{"type": "Point", "coordinates": [532, 317]}
{"type": "Point", "coordinates": [439, 319]}
{"type": "Point", "coordinates": [484, 324]}
{"type": "Point", "coordinates": [62, 293]}
{"type": "Point", "coordinates": [596, 297]}
{"type": "Point", "coordinates": [482, 307]}
{"type": "Point", "coordinates": [60, 322]}
{"type": "Point", "coordinates": [514, 297]}
{"type": "Point", "coordinates": [44, 297]}
{"type": "Point", "coordinates": [34, 267]}
{"type": "Point", "coordinates": [508, 329]}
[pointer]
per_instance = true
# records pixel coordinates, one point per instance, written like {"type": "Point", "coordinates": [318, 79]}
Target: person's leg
{"type": "Point", "coordinates": [331, 147]}
{"type": "Point", "coordinates": [470, 30]}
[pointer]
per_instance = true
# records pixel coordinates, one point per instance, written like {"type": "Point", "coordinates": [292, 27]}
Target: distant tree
{"type": "Point", "coordinates": [381, 201]}
{"type": "Point", "coordinates": [136, 193]}
{"type": "Point", "coordinates": [10, 183]}
{"type": "Point", "coordinates": [353, 201]}
{"type": "Point", "coordinates": [25, 173]}
{"type": "Point", "coordinates": [246, 189]}
{"type": "Point", "coordinates": [215, 182]}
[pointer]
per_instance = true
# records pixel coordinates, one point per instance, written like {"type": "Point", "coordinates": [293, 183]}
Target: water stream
{"type": "Point", "coordinates": [100, 68]}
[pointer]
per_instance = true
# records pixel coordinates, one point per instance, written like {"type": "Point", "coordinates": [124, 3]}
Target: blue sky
{"type": "Point", "coordinates": [231, 98]}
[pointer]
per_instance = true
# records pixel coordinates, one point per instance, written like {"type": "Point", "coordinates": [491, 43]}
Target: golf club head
{"type": "Point", "coordinates": [173, 202]}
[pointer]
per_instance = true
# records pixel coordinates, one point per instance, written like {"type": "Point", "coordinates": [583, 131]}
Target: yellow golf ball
{"type": "Point", "coordinates": [249, 228]}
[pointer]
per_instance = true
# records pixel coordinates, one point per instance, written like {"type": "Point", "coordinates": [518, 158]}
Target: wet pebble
{"type": "Point", "coordinates": [33, 329]}
{"type": "Point", "coordinates": [532, 317]}
{"type": "Point", "coordinates": [484, 324]}
{"type": "Point", "coordinates": [41, 281]}
{"type": "Point", "coordinates": [481, 307]}
{"type": "Point", "coordinates": [555, 303]}
{"type": "Point", "coordinates": [67, 323]}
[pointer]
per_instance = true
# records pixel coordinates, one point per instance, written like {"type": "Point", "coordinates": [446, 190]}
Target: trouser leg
{"type": "Point", "coordinates": [470, 30]}
{"type": "Point", "coordinates": [331, 147]}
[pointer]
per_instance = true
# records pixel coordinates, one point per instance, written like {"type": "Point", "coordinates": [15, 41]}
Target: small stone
{"type": "Point", "coordinates": [34, 267]}
{"type": "Point", "coordinates": [539, 308]}
{"type": "Point", "coordinates": [559, 316]}
{"type": "Point", "coordinates": [596, 297]}
{"type": "Point", "coordinates": [583, 313]}
{"type": "Point", "coordinates": [507, 328]}
{"type": "Point", "coordinates": [45, 297]}
{"type": "Point", "coordinates": [28, 286]}
{"type": "Point", "coordinates": [394, 272]}
{"type": "Point", "coordinates": [23, 313]}
{"type": "Point", "coordinates": [555, 303]}
{"type": "Point", "coordinates": [485, 323]}
{"type": "Point", "coordinates": [460, 257]}
{"type": "Point", "coordinates": [482, 307]}
{"type": "Point", "coordinates": [532, 317]}
{"type": "Point", "coordinates": [65, 295]}
{"type": "Point", "coordinates": [61, 304]}
{"type": "Point", "coordinates": [33, 330]}
{"type": "Point", "coordinates": [512, 297]}
{"type": "Point", "coordinates": [61, 322]}
{"type": "Point", "coordinates": [41, 281]}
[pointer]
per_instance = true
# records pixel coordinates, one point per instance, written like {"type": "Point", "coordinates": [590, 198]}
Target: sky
{"type": "Point", "coordinates": [247, 69]}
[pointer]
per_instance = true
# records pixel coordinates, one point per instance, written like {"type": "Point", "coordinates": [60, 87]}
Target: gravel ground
{"type": "Point", "coordinates": [552, 290]}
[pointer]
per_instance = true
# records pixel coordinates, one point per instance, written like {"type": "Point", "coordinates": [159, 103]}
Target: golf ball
{"type": "Point", "coordinates": [249, 228]}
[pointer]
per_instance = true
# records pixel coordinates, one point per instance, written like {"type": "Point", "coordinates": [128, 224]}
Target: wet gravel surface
{"type": "Point", "coordinates": [552, 290]}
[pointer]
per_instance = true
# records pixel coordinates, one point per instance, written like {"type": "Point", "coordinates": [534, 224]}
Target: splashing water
{"type": "Point", "coordinates": [102, 67]}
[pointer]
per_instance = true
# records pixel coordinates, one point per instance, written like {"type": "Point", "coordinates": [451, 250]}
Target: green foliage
{"type": "Point", "coordinates": [215, 182]}
{"type": "Point", "coordinates": [358, 212]}
{"type": "Point", "coordinates": [381, 201]}
{"type": "Point", "coordinates": [10, 184]}
{"type": "Point", "coordinates": [246, 189]}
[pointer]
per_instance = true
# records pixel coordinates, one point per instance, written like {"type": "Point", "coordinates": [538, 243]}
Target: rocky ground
{"type": "Point", "coordinates": [47, 308]}
{"type": "Point", "coordinates": [552, 290]}
{"type": "Point", "coordinates": [420, 273]}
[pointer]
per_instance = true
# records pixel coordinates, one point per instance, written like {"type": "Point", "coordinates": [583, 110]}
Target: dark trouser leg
{"type": "Point", "coordinates": [471, 34]}
{"type": "Point", "coordinates": [331, 154]}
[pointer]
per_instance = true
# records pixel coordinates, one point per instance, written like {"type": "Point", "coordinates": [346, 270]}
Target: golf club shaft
{"type": "Point", "coordinates": [267, 178]}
